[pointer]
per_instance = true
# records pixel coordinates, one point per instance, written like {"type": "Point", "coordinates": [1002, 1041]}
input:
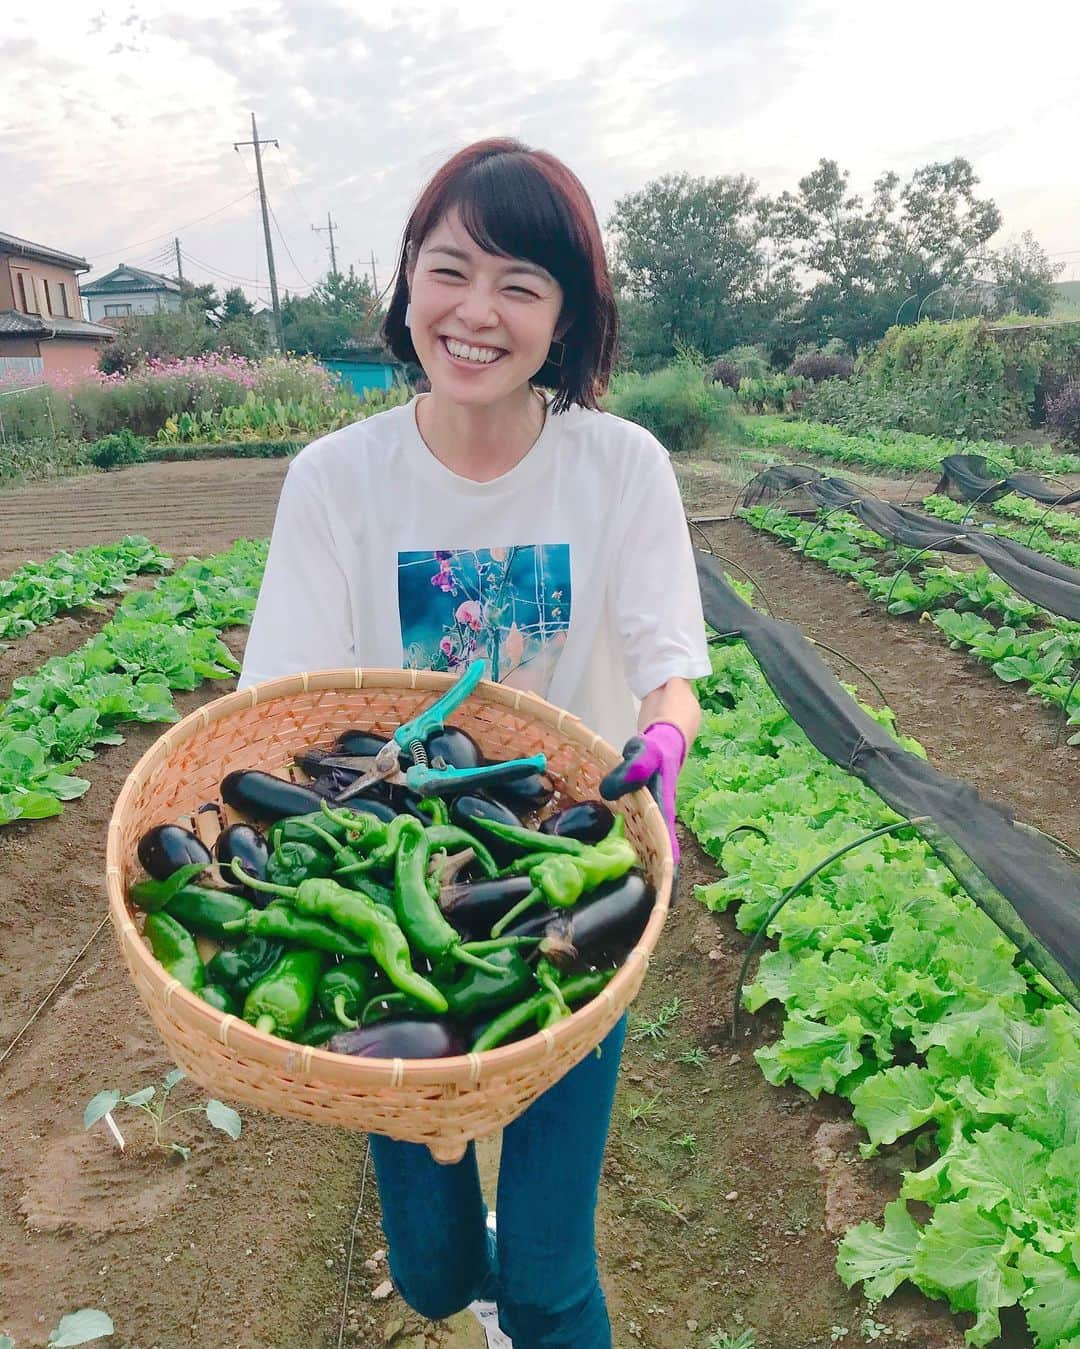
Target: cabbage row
{"type": "Point", "coordinates": [158, 641]}
{"type": "Point", "coordinates": [37, 592]}
{"type": "Point", "coordinates": [1025, 645]}
{"type": "Point", "coordinates": [902, 996]}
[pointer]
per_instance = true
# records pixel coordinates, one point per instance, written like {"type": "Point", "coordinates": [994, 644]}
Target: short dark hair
{"type": "Point", "coordinates": [524, 203]}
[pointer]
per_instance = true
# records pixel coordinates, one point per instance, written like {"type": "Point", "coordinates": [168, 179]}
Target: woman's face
{"type": "Point", "coordinates": [481, 324]}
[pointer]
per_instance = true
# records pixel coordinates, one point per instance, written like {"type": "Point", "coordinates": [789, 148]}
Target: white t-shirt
{"type": "Point", "coordinates": [572, 574]}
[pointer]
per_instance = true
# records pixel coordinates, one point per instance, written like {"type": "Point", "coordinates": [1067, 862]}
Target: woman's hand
{"type": "Point", "coordinates": [652, 759]}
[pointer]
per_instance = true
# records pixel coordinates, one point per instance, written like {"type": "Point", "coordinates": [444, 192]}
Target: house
{"type": "Point", "coordinates": [129, 290]}
{"type": "Point", "coordinates": [42, 329]}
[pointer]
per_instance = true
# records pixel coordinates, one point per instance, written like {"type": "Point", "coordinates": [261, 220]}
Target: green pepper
{"type": "Point", "coordinates": [475, 991]}
{"type": "Point", "coordinates": [562, 877]}
{"type": "Point", "coordinates": [435, 808]}
{"type": "Point", "coordinates": [388, 945]}
{"type": "Point", "coordinates": [279, 1003]}
{"type": "Point", "coordinates": [283, 924]}
{"type": "Point", "coordinates": [154, 895]}
{"type": "Point", "coordinates": [542, 1008]}
{"type": "Point", "coordinates": [417, 910]}
{"type": "Point", "coordinates": [291, 863]}
{"type": "Point", "coordinates": [339, 827]}
{"type": "Point", "coordinates": [239, 967]}
{"type": "Point", "coordinates": [380, 851]}
{"type": "Point", "coordinates": [174, 947]}
{"type": "Point", "coordinates": [318, 1033]}
{"type": "Point", "coordinates": [219, 997]}
{"type": "Point", "coordinates": [207, 911]}
{"type": "Point", "coordinates": [343, 991]}
{"type": "Point", "coordinates": [450, 837]}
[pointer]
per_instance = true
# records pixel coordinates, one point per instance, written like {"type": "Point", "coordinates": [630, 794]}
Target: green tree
{"type": "Point", "coordinates": [866, 258]}
{"type": "Point", "coordinates": [235, 305]}
{"type": "Point", "coordinates": [340, 314]}
{"type": "Point", "coordinates": [692, 266]}
{"type": "Point", "coordinates": [1025, 277]}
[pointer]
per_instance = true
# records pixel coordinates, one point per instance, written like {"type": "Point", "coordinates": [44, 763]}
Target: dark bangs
{"type": "Point", "coordinates": [522, 203]}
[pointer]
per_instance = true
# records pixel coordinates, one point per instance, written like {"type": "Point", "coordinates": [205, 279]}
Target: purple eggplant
{"type": "Point", "coordinates": [455, 747]}
{"type": "Point", "coordinates": [409, 1038]}
{"type": "Point", "coordinates": [523, 795]}
{"type": "Point", "coordinates": [466, 809]}
{"type": "Point", "coordinates": [587, 821]}
{"type": "Point", "coordinates": [475, 908]}
{"type": "Point", "coordinates": [614, 914]}
{"type": "Point", "coordinates": [168, 847]}
{"type": "Point", "coordinates": [245, 844]}
{"type": "Point", "coordinates": [361, 744]}
{"type": "Point", "coordinates": [266, 797]}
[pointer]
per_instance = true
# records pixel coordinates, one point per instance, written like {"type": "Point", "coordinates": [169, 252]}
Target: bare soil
{"type": "Point", "coordinates": [722, 1198]}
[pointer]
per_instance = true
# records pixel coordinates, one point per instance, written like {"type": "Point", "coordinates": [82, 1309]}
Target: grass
{"type": "Point", "coordinates": [37, 460]}
{"type": "Point", "coordinates": [657, 1028]}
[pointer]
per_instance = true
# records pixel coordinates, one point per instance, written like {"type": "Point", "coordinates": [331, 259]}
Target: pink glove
{"type": "Point", "coordinates": [652, 759]}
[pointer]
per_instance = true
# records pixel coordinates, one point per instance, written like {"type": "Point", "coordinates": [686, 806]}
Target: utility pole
{"type": "Point", "coordinates": [329, 228]}
{"type": "Point", "coordinates": [179, 265]}
{"type": "Point", "coordinates": [266, 224]}
{"type": "Point", "coordinates": [374, 279]}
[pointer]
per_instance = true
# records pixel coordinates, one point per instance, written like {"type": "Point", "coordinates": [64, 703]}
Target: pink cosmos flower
{"type": "Point", "coordinates": [469, 612]}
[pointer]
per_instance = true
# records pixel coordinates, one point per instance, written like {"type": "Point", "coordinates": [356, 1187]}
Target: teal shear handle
{"type": "Point", "coordinates": [427, 781]}
{"type": "Point", "coordinates": [432, 719]}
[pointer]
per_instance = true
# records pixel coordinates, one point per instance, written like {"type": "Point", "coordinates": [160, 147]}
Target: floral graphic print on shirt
{"type": "Point", "coordinates": [510, 606]}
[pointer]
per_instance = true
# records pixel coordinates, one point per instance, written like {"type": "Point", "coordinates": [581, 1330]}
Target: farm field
{"type": "Point", "coordinates": [723, 1196]}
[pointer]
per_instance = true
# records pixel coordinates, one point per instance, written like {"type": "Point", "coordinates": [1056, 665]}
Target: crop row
{"type": "Point", "coordinates": [901, 451]}
{"type": "Point", "coordinates": [37, 592]}
{"type": "Point", "coordinates": [902, 996]}
{"type": "Point", "coordinates": [159, 640]}
{"type": "Point", "coordinates": [944, 508]}
{"type": "Point", "coordinates": [1029, 512]}
{"type": "Point", "coordinates": [1044, 657]}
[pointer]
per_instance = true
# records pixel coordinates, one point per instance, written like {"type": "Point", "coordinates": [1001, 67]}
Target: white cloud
{"type": "Point", "coordinates": [124, 131]}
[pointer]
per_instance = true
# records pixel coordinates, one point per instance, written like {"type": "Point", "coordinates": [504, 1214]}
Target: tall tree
{"type": "Point", "coordinates": [691, 264]}
{"type": "Point", "coordinates": [1025, 277]}
{"type": "Point", "coordinates": [866, 258]}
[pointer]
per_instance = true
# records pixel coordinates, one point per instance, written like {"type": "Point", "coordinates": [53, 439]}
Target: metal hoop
{"type": "Point", "coordinates": [1065, 710]}
{"type": "Point", "coordinates": [793, 890]}
{"type": "Point", "coordinates": [1053, 506]}
{"type": "Point", "coordinates": [855, 665]}
{"type": "Point", "coordinates": [949, 538]}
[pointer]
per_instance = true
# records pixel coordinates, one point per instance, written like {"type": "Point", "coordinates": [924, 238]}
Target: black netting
{"type": "Point", "coordinates": [1041, 579]}
{"type": "Point", "coordinates": [971, 476]}
{"type": "Point", "coordinates": [1018, 879]}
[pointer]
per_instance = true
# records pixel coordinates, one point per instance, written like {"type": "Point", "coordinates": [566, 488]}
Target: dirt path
{"type": "Point", "coordinates": [722, 1198]}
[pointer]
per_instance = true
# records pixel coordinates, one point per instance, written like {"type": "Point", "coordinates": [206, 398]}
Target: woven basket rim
{"type": "Point", "coordinates": [277, 1053]}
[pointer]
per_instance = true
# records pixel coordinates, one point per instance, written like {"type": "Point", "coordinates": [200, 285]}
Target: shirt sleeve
{"type": "Point", "coordinates": [302, 617]}
{"type": "Point", "coordinates": [657, 600]}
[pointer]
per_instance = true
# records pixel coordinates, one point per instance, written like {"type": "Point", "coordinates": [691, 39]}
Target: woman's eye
{"type": "Point", "coordinates": [446, 271]}
{"type": "Point", "coordinates": [521, 290]}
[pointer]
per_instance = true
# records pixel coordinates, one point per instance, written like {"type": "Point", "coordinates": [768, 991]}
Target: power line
{"type": "Point", "coordinates": [288, 250]}
{"type": "Point", "coordinates": [173, 230]}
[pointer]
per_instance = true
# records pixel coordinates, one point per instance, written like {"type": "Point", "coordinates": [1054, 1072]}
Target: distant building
{"type": "Point", "coordinates": [129, 290]}
{"type": "Point", "coordinates": [42, 329]}
{"type": "Point", "coordinates": [363, 368]}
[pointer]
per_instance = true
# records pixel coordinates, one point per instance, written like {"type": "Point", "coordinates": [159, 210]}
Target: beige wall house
{"type": "Point", "coordinates": [42, 329]}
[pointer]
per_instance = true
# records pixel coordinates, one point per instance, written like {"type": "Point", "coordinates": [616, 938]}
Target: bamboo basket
{"type": "Point", "coordinates": [443, 1103]}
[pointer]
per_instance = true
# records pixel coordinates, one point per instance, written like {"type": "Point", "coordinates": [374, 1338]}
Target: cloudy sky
{"type": "Point", "coordinates": [117, 123]}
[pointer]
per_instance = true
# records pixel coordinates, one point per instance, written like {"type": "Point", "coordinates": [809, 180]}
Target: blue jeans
{"type": "Point", "coordinates": [543, 1275]}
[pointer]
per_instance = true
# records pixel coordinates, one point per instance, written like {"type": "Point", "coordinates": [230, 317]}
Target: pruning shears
{"type": "Point", "coordinates": [422, 777]}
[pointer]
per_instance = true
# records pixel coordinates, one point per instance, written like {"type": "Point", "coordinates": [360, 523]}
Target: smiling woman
{"type": "Point", "coordinates": [502, 516]}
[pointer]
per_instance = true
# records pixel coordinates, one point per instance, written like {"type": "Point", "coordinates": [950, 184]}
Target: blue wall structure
{"type": "Point", "coordinates": [362, 375]}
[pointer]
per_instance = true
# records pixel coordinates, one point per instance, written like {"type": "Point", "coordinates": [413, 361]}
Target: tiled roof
{"type": "Point", "coordinates": [15, 324]}
{"type": "Point", "coordinates": [11, 243]}
{"type": "Point", "coordinates": [124, 278]}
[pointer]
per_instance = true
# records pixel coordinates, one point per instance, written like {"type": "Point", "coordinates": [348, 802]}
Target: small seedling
{"type": "Point", "coordinates": [746, 1339]}
{"type": "Point", "coordinates": [657, 1029]}
{"type": "Point", "coordinates": [688, 1142]}
{"type": "Point", "coordinates": [665, 1205]}
{"type": "Point", "coordinates": [76, 1328]}
{"type": "Point", "coordinates": [152, 1101]}
{"type": "Point", "coordinates": [694, 1058]}
{"type": "Point", "coordinates": [837, 1333]}
{"type": "Point", "coordinates": [874, 1330]}
{"type": "Point", "coordinates": [643, 1110]}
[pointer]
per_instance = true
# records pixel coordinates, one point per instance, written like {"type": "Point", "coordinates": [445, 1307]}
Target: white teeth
{"type": "Point", "coordinates": [482, 355]}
